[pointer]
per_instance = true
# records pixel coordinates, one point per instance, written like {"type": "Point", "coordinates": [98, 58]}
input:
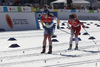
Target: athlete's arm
{"type": "Point", "coordinates": [81, 23]}
{"type": "Point", "coordinates": [68, 25]}
{"type": "Point", "coordinates": [55, 18]}
{"type": "Point", "coordinates": [42, 23]}
{"type": "Point", "coordinates": [57, 22]}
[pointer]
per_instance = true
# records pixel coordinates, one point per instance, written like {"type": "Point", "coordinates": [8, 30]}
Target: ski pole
{"type": "Point", "coordinates": [89, 35]}
{"type": "Point", "coordinates": [87, 32]}
{"type": "Point", "coordinates": [64, 31]}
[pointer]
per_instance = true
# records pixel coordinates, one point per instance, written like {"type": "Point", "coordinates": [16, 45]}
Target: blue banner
{"type": "Point", "coordinates": [73, 10]}
{"type": "Point", "coordinates": [5, 9]}
{"type": "Point", "coordinates": [39, 14]}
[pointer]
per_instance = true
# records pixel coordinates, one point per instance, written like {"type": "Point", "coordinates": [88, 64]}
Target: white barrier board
{"type": "Point", "coordinates": [81, 16]}
{"type": "Point", "coordinates": [18, 21]}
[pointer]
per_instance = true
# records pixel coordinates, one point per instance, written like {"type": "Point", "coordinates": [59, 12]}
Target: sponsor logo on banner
{"type": "Point", "coordinates": [88, 17]}
{"type": "Point", "coordinates": [9, 21]}
{"type": "Point", "coordinates": [20, 21]}
{"type": "Point", "coordinates": [26, 8]}
{"type": "Point", "coordinates": [14, 21]}
{"type": "Point", "coordinates": [12, 9]}
{"type": "Point", "coordinates": [39, 14]}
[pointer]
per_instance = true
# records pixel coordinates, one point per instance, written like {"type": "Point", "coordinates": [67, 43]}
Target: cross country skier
{"type": "Point", "coordinates": [75, 26]}
{"type": "Point", "coordinates": [48, 25]}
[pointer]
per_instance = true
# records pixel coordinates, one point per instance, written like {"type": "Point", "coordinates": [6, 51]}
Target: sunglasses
{"type": "Point", "coordinates": [44, 13]}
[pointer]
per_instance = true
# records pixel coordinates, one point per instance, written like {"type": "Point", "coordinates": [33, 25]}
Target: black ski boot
{"type": "Point", "coordinates": [76, 48]}
{"type": "Point", "coordinates": [43, 51]}
{"type": "Point", "coordinates": [70, 47]}
{"type": "Point", "coordinates": [50, 50]}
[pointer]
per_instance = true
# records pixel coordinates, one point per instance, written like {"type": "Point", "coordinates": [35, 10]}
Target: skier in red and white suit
{"type": "Point", "coordinates": [75, 26]}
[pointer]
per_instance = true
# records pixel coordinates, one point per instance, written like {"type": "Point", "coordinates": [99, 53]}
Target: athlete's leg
{"type": "Point", "coordinates": [50, 41]}
{"type": "Point", "coordinates": [71, 37]}
{"type": "Point", "coordinates": [51, 31]}
{"type": "Point", "coordinates": [50, 44]}
{"type": "Point", "coordinates": [71, 40]}
{"type": "Point", "coordinates": [77, 33]}
{"type": "Point", "coordinates": [44, 41]}
{"type": "Point", "coordinates": [76, 36]}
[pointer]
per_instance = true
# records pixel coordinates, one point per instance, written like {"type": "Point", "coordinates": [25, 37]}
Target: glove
{"type": "Point", "coordinates": [69, 27]}
{"type": "Point", "coordinates": [83, 26]}
{"type": "Point", "coordinates": [44, 27]}
{"type": "Point", "coordinates": [79, 34]}
{"type": "Point", "coordinates": [58, 27]}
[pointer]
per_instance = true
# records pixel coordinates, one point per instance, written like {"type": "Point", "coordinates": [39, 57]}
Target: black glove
{"type": "Point", "coordinates": [58, 27]}
{"type": "Point", "coordinates": [44, 27]}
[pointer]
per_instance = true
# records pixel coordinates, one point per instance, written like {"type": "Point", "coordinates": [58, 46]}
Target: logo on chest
{"type": "Point", "coordinates": [47, 20]}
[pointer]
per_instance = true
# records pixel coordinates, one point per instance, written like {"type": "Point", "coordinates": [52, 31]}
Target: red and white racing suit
{"type": "Point", "coordinates": [75, 29]}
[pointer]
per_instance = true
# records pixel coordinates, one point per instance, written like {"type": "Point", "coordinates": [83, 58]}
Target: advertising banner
{"type": "Point", "coordinates": [39, 14]}
{"type": "Point", "coordinates": [80, 16]}
{"type": "Point", "coordinates": [18, 21]}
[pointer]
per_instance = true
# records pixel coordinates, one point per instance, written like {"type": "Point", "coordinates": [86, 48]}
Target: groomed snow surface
{"type": "Point", "coordinates": [30, 42]}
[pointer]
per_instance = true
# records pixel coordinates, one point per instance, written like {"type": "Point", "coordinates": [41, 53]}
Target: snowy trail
{"type": "Point", "coordinates": [33, 50]}
{"type": "Point", "coordinates": [63, 56]}
{"type": "Point", "coordinates": [75, 63]}
{"type": "Point", "coordinates": [38, 57]}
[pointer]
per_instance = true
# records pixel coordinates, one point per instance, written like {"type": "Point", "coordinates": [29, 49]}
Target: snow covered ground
{"type": "Point", "coordinates": [30, 42]}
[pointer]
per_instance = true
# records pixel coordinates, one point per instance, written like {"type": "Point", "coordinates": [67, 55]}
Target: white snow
{"type": "Point", "coordinates": [30, 42]}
